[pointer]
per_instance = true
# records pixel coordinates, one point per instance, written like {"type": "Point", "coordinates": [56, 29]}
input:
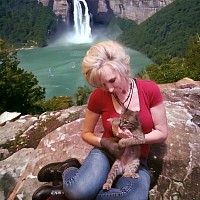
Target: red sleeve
{"type": "Point", "coordinates": [155, 96]}
{"type": "Point", "coordinates": [95, 101]}
{"type": "Point", "coordinates": [150, 92]}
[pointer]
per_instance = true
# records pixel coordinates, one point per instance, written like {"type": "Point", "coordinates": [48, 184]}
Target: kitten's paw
{"type": "Point", "coordinates": [135, 175]}
{"type": "Point", "coordinates": [106, 186]}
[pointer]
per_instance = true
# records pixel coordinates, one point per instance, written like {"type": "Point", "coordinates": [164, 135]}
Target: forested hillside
{"type": "Point", "coordinates": [25, 21]}
{"type": "Point", "coordinates": [167, 32]}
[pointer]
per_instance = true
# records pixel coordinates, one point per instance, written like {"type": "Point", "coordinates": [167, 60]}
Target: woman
{"type": "Point", "coordinates": [107, 68]}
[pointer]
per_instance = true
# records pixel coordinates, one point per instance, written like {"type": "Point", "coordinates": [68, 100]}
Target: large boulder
{"type": "Point", "coordinates": [56, 136]}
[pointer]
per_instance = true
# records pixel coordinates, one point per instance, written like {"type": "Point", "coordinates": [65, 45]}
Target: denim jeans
{"type": "Point", "coordinates": [86, 182]}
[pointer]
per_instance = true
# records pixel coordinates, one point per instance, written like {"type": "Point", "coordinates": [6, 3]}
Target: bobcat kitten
{"type": "Point", "coordinates": [129, 162]}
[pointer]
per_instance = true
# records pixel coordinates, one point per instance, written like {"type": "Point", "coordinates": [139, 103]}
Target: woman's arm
{"type": "Point", "coordinates": [159, 134]}
{"type": "Point", "coordinates": [108, 144]}
{"type": "Point", "coordinates": [89, 124]}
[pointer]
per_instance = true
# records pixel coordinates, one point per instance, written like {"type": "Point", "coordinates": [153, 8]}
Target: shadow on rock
{"type": "Point", "coordinates": [7, 184]}
{"type": "Point", "coordinates": [155, 161]}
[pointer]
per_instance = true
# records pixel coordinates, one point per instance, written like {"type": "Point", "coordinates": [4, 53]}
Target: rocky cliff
{"type": "Point", "coordinates": [44, 2]}
{"type": "Point", "coordinates": [137, 10]}
{"type": "Point", "coordinates": [30, 142]}
{"type": "Point", "coordinates": [61, 8]}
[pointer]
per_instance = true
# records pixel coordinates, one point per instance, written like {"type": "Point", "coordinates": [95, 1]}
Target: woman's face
{"type": "Point", "coordinates": [112, 81]}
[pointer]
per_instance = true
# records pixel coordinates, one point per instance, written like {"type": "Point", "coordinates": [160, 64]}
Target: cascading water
{"type": "Point", "coordinates": [82, 22]}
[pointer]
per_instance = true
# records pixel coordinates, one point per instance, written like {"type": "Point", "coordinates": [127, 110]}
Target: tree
{"type": "Point", "coordinates": [20, 91]}
{"type": "Point", "coordinates": [57, 103]}
{"type": "Point", "coordinates": [82, 95]}
{"type": "Point", "coordinates": [22, 21]}
{"type": "Point", "coordinates": [166, 32]}
{"type": "Point", "coordinates": [173, 69]}
{"type": "Point", "coordinates": [193, 57]}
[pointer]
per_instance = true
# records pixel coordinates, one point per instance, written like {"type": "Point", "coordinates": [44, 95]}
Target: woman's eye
{"type": "Point", "coordinates": [112, 80]}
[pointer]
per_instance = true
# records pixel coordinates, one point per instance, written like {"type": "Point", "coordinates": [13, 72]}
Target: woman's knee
{"type": "Point", "coordinates": [79, 192]}
{"type": "Point", "coordinates": [85, 182]}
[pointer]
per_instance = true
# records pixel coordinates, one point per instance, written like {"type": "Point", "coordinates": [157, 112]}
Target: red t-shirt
{"type": "Point", "coordinates": [149, 94]}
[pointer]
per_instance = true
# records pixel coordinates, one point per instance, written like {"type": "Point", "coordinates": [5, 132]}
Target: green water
{"type": "Point", "coordinates": [58, 68]}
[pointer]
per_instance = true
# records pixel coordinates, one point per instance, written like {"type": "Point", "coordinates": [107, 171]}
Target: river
{"type": "Point", "coordinates": [58, 67]}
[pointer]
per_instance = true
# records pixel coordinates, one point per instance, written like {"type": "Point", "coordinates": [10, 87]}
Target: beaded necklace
{"type": "Point", "coordinates": [129, 95]}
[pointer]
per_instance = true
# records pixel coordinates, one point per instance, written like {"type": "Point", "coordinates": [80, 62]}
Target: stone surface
{"type": "Point", "coordinates": [14, 128]}
{"type": "Point", "coordinates": [174, 165]}
{"type": "Point", "coordinates": [7, 116]}
{"type": "Point", "coordinates": [61, 8]}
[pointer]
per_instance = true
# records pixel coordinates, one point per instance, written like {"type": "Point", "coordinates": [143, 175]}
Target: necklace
{"type": "Point", "coordinates": [129, 95]}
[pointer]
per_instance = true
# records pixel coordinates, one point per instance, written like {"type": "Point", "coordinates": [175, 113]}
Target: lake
{"type": "Point", "coordinates": [58, 67]}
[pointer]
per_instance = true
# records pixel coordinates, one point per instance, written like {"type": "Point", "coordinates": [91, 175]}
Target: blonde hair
{"type": "Point", "coordinates": [109, 54]}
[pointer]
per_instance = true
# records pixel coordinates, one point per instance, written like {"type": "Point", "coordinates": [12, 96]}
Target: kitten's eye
{"type": "Point", "coordinates": [126, 122]}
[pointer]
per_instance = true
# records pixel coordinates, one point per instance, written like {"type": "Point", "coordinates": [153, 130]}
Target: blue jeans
{"type": "Point", "coordinates": [86, 182]}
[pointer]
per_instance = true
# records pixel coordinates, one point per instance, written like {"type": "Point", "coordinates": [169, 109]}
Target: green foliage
{"type": "Point", "coordinates": [25, 22]}
{"type": "Point", "coordinates": [57, 103]}
{"type": "Point", "coordinates": [14, 145]}
{"type": "Point", "coordinates": [64, 102]}
{"type": "Point", "coordinates": [174, 69]}
{"type": "Point", "coordinates": [82, 94]}
{"type": "Point", "coordinates": [166, 32]}
{"type": "Point", "coordinates": [168, 72]}
{"type": "Point", "coordinates": [193, 58]}
{"type": "Point", "coordinates": [20, 91]}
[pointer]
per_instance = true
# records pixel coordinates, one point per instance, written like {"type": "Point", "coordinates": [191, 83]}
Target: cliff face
{"type": "Point", "coordinates": [61, 8]}
{"type": "Point", "coordinates": [137, 10]}
{"type": "Point", "coordinates": [44, 2]}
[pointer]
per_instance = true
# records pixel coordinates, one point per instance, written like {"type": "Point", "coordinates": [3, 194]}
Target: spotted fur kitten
{"type": "Point", "coordinates": [129, 162]}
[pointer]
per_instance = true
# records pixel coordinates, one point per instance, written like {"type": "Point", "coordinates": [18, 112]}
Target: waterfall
{"type": "Point", "coordinates": [82, 22]}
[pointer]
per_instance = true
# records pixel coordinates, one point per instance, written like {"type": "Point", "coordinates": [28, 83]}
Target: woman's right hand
{"type": "Point", "coordinates": [124, 133]}
{"type": "Point", "coordinates": [111, 145]}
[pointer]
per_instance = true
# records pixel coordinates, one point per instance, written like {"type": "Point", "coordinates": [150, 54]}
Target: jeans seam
{"type": "Point", "coordinates": [123, 192]}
